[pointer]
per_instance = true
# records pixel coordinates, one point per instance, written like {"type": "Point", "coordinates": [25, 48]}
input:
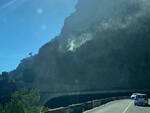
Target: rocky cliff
{"type": "Point", "coordinates": [103, 45]}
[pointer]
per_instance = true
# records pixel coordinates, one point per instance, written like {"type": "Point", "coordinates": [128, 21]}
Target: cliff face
{"type": "Point", "coordinates": [103, 45]}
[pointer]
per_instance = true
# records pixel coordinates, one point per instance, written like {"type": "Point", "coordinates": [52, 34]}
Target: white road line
{"type": "Point", "coordinates": [127, 107]}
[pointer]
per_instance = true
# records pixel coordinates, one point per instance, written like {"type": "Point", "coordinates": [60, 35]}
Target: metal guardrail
{"type": "Point", "coordinates": [81, 107]}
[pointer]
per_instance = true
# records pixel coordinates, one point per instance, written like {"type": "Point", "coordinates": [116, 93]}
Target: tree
{"type": "Point", "coordinates": [5, 76]}
{"type": "Point", "coordinates": [23, 101]}
{"type": "Point", "coordinates": [29, 99]}
{"type": "Point", "coordinates": [31, 54]}
{"type": "Point", "coordinates": [14, 107]}
{"type": "Point", "coordinates": [1, 109]}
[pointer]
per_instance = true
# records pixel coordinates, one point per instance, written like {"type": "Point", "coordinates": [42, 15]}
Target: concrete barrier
{"type": "Point", "coordinates": [79, 108]}
{"type": "Point", "coordinates": [104, 101]}
{"type": "Point", "coordinates": [96, 103]}
{"type": "Point", "coordinates": [59, 110]}
{"type": "Point", "coordinates": [88, 105]}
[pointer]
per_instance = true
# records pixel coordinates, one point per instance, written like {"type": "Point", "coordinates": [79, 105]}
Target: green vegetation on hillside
{"type": "Point", "coordinates": [16, 99]}
{"type": "Point", "coordinates": [23, 101]}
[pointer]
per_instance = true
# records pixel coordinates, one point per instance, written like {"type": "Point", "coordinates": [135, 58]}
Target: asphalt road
{"type": "Point", "coordinates": [120, 106]}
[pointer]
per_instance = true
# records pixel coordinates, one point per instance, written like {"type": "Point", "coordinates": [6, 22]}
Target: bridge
{"type": "Point", "coordinates": [108, 105]}
{"type": "Point", "coordinates": [62, 99]}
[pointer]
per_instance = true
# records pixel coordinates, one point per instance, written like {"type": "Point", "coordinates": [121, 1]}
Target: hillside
{"type": "Point", "coordinates": [103, 45]}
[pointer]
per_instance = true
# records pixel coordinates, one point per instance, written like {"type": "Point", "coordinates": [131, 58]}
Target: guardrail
{"type": "Point", "coordinates": [79, 108]}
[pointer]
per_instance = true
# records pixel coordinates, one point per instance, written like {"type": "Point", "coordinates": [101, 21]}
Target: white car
{"type": "Point", "coordinates": [141, 99]}
{"type": "Point", "coordinates": [133, 96]}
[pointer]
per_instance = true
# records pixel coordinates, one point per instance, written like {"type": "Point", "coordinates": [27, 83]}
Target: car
{"type": "Point", "coordinates": [133, 96]}
{"type": "Point", "coordinates": [141, 99]}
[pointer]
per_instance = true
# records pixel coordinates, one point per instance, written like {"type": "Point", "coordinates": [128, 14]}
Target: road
{"type": "Point", "coordinates": [120, 106]}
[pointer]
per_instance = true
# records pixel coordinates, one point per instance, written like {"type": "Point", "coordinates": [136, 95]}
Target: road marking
{"type": "Point", "coordinates": [127, 107]}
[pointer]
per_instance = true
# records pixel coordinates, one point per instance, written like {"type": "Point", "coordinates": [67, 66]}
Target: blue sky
{"type": "Point", "coordinates": [25, 25]}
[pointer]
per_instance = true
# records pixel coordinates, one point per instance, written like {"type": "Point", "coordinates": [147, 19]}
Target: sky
{"type": "Point", "coordinates": [26, 25]}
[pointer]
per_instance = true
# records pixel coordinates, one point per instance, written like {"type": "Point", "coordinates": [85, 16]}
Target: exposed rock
{"type": "Point", "coordinates": [103, 45]}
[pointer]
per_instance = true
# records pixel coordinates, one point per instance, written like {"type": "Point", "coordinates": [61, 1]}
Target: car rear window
{"type": "Point", "coordinates": [141, 96]}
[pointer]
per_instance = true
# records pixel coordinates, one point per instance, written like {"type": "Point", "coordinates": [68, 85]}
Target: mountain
{"type": "Point", "coordinates": [103, 45]}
